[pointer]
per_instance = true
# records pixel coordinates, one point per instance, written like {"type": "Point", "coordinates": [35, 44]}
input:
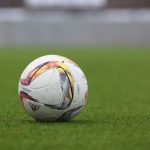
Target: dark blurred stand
{"type": "Point", "coordinates": [11, 3]}
{"type": "Point", "coordinates": [128, 4]}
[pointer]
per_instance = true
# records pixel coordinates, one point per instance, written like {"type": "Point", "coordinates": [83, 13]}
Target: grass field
{"type": "Point", "coordinates": [116, 117]}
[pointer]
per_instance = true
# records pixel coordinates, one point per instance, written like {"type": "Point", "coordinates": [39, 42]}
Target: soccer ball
{"type": "Point", "coordinates": [53, 88]}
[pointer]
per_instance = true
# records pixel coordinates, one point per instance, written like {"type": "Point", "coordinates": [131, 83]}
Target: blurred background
{"type": "Point", "coordinates": [75, 22]}
{"type": "Point", "coordinates": [109, 40]}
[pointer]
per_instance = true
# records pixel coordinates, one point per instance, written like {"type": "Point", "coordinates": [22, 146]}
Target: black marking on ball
{"type": "Point", "coordinates": [67, 115]}
{"type": "Point", "coordinates": [34, 107]}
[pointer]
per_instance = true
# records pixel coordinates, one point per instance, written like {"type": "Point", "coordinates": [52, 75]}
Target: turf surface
{"type": "Point", "coordinates": [117, 115]}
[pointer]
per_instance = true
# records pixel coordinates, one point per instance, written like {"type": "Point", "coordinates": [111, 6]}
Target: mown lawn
{"type": "Point", "coordinates": [117, 114]}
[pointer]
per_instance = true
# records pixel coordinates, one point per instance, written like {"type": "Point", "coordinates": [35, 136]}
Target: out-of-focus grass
{"type": "Point", "coordinates": [117, 115]}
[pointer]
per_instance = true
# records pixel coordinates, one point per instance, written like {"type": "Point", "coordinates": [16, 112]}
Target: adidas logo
{"type": "Point", "coordinates": [34, 107]}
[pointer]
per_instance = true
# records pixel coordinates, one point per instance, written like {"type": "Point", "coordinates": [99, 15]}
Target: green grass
{"type": "Point", "coordinates": [117, 114]}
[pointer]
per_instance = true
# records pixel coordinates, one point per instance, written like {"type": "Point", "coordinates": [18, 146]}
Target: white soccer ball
{"type": "Point", "coordinates": [53, 88]}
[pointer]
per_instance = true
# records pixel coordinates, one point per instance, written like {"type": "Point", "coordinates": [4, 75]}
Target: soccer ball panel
{"type": "Point", "coordinates": [80, 93]}
{"type": "Point", "coordinates": [51, 95]}
{"type": "Point", "coordinates": [77, 74]}
{"type": "Point", "coordinates": [46, 78]}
